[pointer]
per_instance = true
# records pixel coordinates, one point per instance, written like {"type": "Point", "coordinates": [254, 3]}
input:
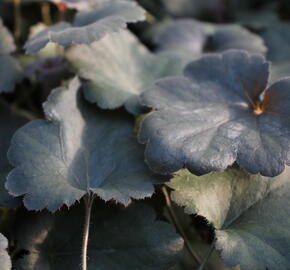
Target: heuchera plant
{"type": "Point", "coordinates": [161, 145]}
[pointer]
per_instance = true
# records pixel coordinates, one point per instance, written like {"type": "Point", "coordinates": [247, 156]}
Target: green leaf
{"type": "Point", "coordinates": [249, 212]}
{"type": "Point", "coordinates": [126, 69]}
{"type": "Point", "coordinates": [77, 151]}
{"type": "Point", "coordinates": [9, 123]}
{"type": "Point", "coordinates": [120, 239]}
{"type": "Point", "coordinates": [5, 262]}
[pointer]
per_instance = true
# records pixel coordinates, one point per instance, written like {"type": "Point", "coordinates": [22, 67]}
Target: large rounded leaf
{"type": "Point", "coordinates": [194, 38]}
{"type": "Point", "coordinates": [118, 68]}
{"type": "Point", "coordinates": [214, 116]}
{"type": "Point", "coordinates": [77, 151]}
{"type": "Point", "coordinates": [5, 262]}
{"type": "Point", "coordinates": [127, 239]}
{"type": "Point", "coordinates": [9, 123]}
{"type": "Point", "coordinates": [89, 25]}
{"type": "Point", "coordinates": [250, 214]}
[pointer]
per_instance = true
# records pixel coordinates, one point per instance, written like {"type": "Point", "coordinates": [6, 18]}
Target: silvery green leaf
{"type": "Point", "coordinates": [118, 68]}
{"type": "Point", "coordinates": [76, 151]}
{"type": "Point", "coordinates": [10, 70]}
{"type": "Point", "coordinates": [7, 45]}
{"type": "Point", "coordinates": [9, 123]}
{"type": "Point", "coordinates": [219, 112]}
{"type": "Point", "coordinates": [5, 262]}
{"type": "Point", "coordinates": [249, 213]}
{"type": "Point", "coordinates": [124, 239]}
{"type": "Point", "coordinates": [194, 38]}
{"type": "Point", "coordinates": [89, 25]}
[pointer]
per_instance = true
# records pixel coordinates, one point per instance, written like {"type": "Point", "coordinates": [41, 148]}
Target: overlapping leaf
{"type": "Point", "coordinates": [9, 123]}
{"type": "Point", "coordinates": [10, 71]}
{"type": "Point", "coordinates": [193, 8]}
{"type": "Point", "coordinates": [214, 116]}
{"type": "Point", "coordinates": [78, 151]}
{"type": "Point", "coordinates": [5, 262]}
{"type": "Point", "coordinates": [118, 68]}
{"type": "Point", "coordinates": [119, 239]}
{"type": "Point", "coordinates": [89, 25]}
{"type": "Point", "coordinates": [194, 38]}
{"type": "Point", "coordinates": [277, 39]}
{"type": "Point", "coordinates": [250, 214]}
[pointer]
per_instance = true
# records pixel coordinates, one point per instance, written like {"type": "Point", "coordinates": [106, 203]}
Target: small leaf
{"type": "Point", "coordinates": [89, 25]}
{"type": "Point", "coordinates": [77, 151]}
{"type": "Point", "coordinates": [250, 214]}
{"type": "Point", "coordinates": [7, 45]}
{"type": "Point", "coordinates": [124, 239]}
{"type": "Point", "coordinates": [193, 37]}
{"type": "Point", "coordinates": [5, 262]}
{"type": "Point", "coordinates": [9, 123]}
{"type": "Point", "coordinates": [126, 69]}
{"type": "Point", "coordinates": [10, 70]}
{"type": "Point", "coordinates": [214, 116]}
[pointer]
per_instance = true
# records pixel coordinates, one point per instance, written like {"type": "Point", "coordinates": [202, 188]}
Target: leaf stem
{"type": "Point", "coordinates": [17, 19]}
{"type": "Point", "coordinates": [202, 266]}
{"type": "Point", "coordinates": [45, 13]}
{"type": "Point", "coordinates": [88, 204]}
{"type": "Point", "coordinates": [179, 226]}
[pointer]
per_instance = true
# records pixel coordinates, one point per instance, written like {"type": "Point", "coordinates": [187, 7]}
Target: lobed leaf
{"type": "Point", "coordinates": [119, 239]}
{"type": "Point", "coordinates": [88, 26]}
{"type": "Point", "coordinates": [118, 68]}
{"type": "Point", "coordinates": [249, 213]}
{"type": "Point", "coordinates": [215, 115]}
{"type": "Point", "coordinates": [77, 151]}
{"type": "Point", "coordinates": [193, 37]}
